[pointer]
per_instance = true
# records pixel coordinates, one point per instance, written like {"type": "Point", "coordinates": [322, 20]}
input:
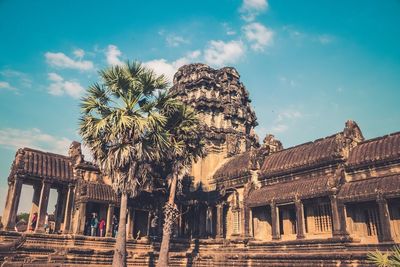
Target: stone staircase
{"type": "Point", "coordinates": [69, 250]}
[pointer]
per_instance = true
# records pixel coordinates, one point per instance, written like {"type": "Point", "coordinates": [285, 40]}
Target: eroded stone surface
{"type": "Point", "coordinates": [326, 202]}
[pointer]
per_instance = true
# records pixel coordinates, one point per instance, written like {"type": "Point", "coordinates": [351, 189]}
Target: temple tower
{"type": "Point", "coordinates": [223, 104]}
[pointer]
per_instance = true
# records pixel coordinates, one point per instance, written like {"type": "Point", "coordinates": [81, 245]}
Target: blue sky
{"type": "Point", "coordinates": [308, 65]}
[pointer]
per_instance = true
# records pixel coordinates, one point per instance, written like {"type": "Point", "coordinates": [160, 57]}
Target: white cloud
{"type": "Point", "coordinates": [288, 114]}
{"type": "Point", "coordinates": [258, 35]}
{"type": "Point", "coordinates": [175, 40]}
{"type": "Point", "coordinates": [325, 39]}
{"type": "Point", "coordinates": [279, 128]}
{"type": "Point", "coordinates": [54, 77]}
{"type": "Point", "coordinates": [11, 138]}
{"type": "Point", "coordinates": [59, 86]}
{"type": "Point", "coordinates": [219, 53]}
{"type": "Point", "coordinates": [284, 119]}
{"type": "Point", "coordinates": [6, 85]}
{"type": "Point", "coordinates": [63, 61]}
{"type": "Point", "coordinates": [113, 55]}
{"type": "Point", "coordinates": [250, 9]}
{"type": "Point", "coordinates": [286, 81]}
{"type": "Point", "coordinates": [162, 66]}
{"type": "Point", "coordinates": [228, 29]}
{"type": "Point", "coordinates": [22, 79]}
{"type": "Point", "coordinates": [79, 53]}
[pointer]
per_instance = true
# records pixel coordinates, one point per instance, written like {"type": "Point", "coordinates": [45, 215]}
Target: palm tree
{"type": "Point", "coordinates": [388, 259]}
{"type": "Point", "coordinates": [186, 146]}
{"type": "Point", "coordinates": [122, 125]}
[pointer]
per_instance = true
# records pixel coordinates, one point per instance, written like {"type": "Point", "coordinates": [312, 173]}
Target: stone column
{"type": "Point", "coordinates": [81, 220]}
{"type": "Point", "coordinates": [299, 218]}
{"type": "Point", "coordinates": [275, 222]}
{"type": "Point", "coordinates": [148, 223]}
{"type": "Point", "coordinates": [246, 221]}
{"type": "Point", "coordinates": [130, 223]}
{"type": "Point", "coordinates": [220, 221]}
{"type": "Point", "coordinates": [68, 209]}
{"type": "Point", "coordinates": [336, 225]}
{"type": "Point", "coordinates": [341, 208]}
{"type": "Point", "coordinates": [35, 203]}
{"type": "Point", "coordinates": [12, 202]}
{"type": "Point", "coordinates": [384, 219]}
{"type": "Point", "coordinates": [110, 213]}
{"type": "Point", "coordinates": [60, 206]}
{"type": "Point", "coordinates": [44, 201]}
{"type": "Point", "coordinates": [209, 221]}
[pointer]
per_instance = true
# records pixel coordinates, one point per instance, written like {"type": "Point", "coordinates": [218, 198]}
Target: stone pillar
{"type": "Point", "coordinates": [246, 221]}
{"type": "Point", "coordinates": [60, 206]}
{"type": "Point", "coordinates": [12, 202]}
{"type": "Point", "coordinates": [299, 218]}
{"type": "Point", "coordinates": [35, 203]}
{"type": "Point", "coordinates": [130, 223]}
{"type": "Point", "coordinates": [275, 222]}
{"type": "Point", "coordinates": [44, 201]}
{"type": "Point", "coordinates": [220, 221]}
{"type": "Point", "coordinates": [341, 208]}
{"type": "Point", "coordinates": [148, 223]}
{"type": "Point", "coordinates": [384, 219]}
{"type": "Point", "coordinates": [68, 209]}
{"type": "Point", "coordinates": [81, 219]}
{"type": "Point", "coordinates": [209, 221]}
{"type": "Point", "coordinates": [110, 213]}
{"type": "Point", "coordinates": [336, 225]}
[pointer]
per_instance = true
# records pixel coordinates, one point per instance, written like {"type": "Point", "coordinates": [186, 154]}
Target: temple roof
{"type": "Point", "coordinates": [41, 164]}
{"type": "Point", "coordinates": [288, 191]}
{"type": "Point", "coordinates": [368, 189]}
{"type": "Point", "coordinates": [90, 191]}
{"type": "Point", "coordinates": [375, 150]}
{"type": "Point", "coordinates": [306, 155]}
{"type": "Point", "coordinates": [236, 166]}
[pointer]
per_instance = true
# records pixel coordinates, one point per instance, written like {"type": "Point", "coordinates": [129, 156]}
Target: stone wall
{"type": "Point", "coordinates": [69, 250]}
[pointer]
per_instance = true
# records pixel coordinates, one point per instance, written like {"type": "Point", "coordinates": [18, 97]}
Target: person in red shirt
{"type": "Point", "coordinates": [102, 226]}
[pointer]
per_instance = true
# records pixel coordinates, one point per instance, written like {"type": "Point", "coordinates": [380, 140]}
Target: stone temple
{"type": "Point", "coordinates": [327, 202]}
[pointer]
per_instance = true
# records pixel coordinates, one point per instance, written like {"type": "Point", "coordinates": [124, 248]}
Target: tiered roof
{"type": "Point", "coordinates": [42, 165]}
{"type": "Point", "coordinates": [375, 151]}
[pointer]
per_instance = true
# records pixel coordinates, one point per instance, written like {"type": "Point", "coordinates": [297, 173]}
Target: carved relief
{"type": "Point", "coordinates": [75, 152]}
{"type": "Point", "coordinates": [233, 128]}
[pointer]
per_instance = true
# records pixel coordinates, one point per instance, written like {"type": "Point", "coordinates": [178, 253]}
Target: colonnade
{"type": "Point", "coordinates": [40, 201]}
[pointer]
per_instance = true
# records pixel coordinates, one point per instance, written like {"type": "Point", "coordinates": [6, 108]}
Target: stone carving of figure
{"type": "Point", "coordinates": [335, 180]}
{"type": "Point", "coordinates": [352, 133]}
{"type": "Point", "coordinates": [271, 144]}
{"type": "Point", "coordinates": [75, 152]}
{"type": "Point", "coordinates": [233, 145]}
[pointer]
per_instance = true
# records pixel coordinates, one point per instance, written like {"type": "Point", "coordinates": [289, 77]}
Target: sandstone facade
{"type": "Point", "coordinates": [327, 202]}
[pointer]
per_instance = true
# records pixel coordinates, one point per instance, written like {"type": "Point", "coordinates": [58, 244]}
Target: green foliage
{"type": "Point", "coordinates": [122, 124]}
{"type": "Point", "coordinates": [23, 216]}
{"type": "Point", "coordinates": [186, 143]}
{"type": "Point", "coordinates": [388, 259]}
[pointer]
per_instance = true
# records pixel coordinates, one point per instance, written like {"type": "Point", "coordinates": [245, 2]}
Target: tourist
{"type": "Point", "coordinates": [115, 226]}
{"type": "Point", "coordinates": [46, 224]}
{"type": "Point", "coordinates": [153, 225]}
{"type": "Point", "coordinates": [102, 226]}
{"type": "Point", "coordinates": [33, 222]}
{"type": "Point", "coordinates": [94, 223]}
{"type": "Point", "coordinates": [86, 231]}
{"type": "Point", "coordinates": [16, 223]}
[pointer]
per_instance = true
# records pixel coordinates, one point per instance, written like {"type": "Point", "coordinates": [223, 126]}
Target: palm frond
{"type": "Point", "coordinates": [379, 259]}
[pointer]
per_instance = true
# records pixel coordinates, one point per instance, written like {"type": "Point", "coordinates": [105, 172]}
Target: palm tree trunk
{"type": "Point", "coordinates": [168, 224]}
{"type": "Point", "coordinates": [119, 258]}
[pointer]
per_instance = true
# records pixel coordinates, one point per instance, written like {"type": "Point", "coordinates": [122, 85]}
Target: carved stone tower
{"type": "Point", "coordinates": [223, 104]}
